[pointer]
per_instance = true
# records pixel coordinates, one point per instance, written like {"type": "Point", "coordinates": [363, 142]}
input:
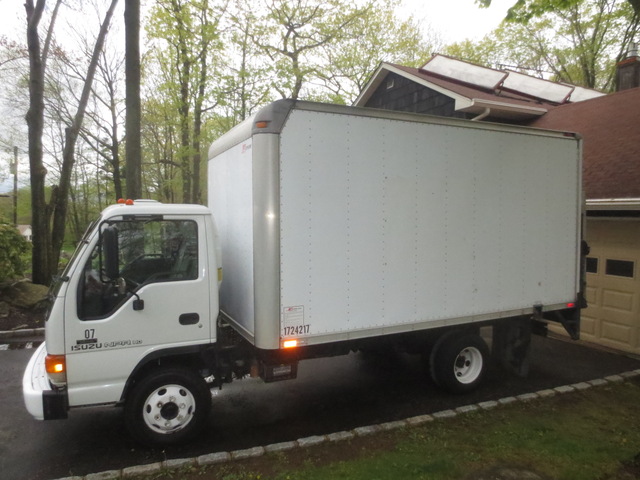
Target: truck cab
{"type": "Point", "coordinates": [142, 285]}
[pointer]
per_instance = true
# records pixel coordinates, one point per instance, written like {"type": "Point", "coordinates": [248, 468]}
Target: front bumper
{"type": "Point", "coordinates": [42, 402]}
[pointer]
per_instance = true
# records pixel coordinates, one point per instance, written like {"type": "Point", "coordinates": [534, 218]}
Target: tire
{"type": "Point", "coordinates": [458, 363]}
{"type": "Point", "coordinates": [167, 407]}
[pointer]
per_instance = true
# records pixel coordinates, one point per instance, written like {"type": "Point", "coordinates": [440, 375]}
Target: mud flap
{"type": "Point", "coordinates": [511, 345]}
{"type": "Point", "coordinates": [570, 320]}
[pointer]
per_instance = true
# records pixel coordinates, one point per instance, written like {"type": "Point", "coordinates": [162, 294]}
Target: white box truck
{"type": "Point", "coordinates": [338, 229]}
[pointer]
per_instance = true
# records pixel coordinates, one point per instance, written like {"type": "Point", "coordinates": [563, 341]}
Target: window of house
{"type": "Point", "coordinates": [620, 268]}
{"type": "Point", "coordinates": [592, 265]}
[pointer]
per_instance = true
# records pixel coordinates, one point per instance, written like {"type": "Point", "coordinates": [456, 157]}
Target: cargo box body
{"type": "Point", "coordinates": [338, 223]}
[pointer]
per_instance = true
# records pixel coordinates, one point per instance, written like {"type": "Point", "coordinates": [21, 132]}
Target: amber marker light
{"type": "Point", "coordinates": [262, 124]}
{"type": "Point", "coordinates": [55, 363]}
{"type": "Point", "coordinates": [290, 343]}
{"type": "Point", "coordinates": [56, 367]}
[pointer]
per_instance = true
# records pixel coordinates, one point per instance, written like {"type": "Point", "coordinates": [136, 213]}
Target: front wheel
{"type": "Point", "coordinates": [167, 407]}
{"type": "Point", "coordinates": [458, 364]}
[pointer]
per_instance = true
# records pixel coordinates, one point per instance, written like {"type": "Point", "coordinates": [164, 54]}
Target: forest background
{"type": "Point", "coordinates": [206, 65]}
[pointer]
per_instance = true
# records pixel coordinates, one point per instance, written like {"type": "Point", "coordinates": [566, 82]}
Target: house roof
{"type": "Point", "coordinates": [24, 229]}
{"type": "Point", "coordinates": [480, 90]}
{"type": "Point", "coordinates": [610, 128]}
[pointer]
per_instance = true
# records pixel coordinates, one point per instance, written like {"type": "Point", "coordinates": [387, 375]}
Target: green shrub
{"type": "Point", "coordinates": [13, 248]}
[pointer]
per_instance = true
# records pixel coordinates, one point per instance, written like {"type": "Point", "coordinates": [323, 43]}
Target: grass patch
{"type": "Point", "coordinates": [593, 434]}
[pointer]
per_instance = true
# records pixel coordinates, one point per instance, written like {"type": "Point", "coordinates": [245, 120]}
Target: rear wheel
{"type": "Point", "coordinates": [458, 364]}
{"type": "Point", "coordinates": [167, 407]}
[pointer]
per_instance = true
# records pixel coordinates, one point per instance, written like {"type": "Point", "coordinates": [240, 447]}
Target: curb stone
{"type": "Point", "coordinates": [213, 458]}
{"type": "Point", "coordinates": [248, 453]}
{"type": "Point", "coordinates": [392, 425]}
{"type": "Point", "coordinates": [547, 393]}
{"type": "Point", "coordinates": [311, 441]}
{"type": "Point", "coordinates": [223, 457]}
{"type": "Point", "coordinates": [362, 431]}
{"type": "Point", "coordinates": [141, 470]}
{"type": "Point", "coordinates": [108, 475]}
{"type": "Point", "coordinates": [467, 409]}
{"type": "Point", "coordinates": [488, 405]}
{"type": "Point", "coordinates": [564, 389]}
{"type": "Point", "coordinates": [581, 386]}
{"type": "Point", "coordinates": [179, 463]}
{"type": "Point", "coordinates": [339, 436]}
{"type": "Point", "coordinates": [444, 414]}
{"type": "Point", "coordinates": [419, 420]}
{"type": "Point", "coordinates": [527, 397]}
{"type": "Point", "coordinates": [281, 447]}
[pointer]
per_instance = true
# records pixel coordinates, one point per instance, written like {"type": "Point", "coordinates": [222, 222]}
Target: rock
{"type": "Point", "coordinates": [4, 309]}
{"type": "Point", "coordinates": [25, 295]}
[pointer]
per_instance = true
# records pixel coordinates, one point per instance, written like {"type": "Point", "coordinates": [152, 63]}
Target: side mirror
{"type": "Point", "coordinates": [110, 252]}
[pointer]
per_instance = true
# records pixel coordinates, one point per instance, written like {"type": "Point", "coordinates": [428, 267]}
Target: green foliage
{"type": "Point", "coordinates": [24, 207]}
{"type": "Point", "coordinates": [326, 50]}
{"type": "Point", "coordinates": [13, 249]}
{"type": "Point", "coordinates": [524, 10]}
{"type": "Point", "coordinates": [576, 41]}
{"type": "Point", "coordinates": [376, 36]}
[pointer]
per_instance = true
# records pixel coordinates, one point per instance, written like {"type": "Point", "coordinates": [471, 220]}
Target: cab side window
{"type": "Point", "coordinates": [148, 251]}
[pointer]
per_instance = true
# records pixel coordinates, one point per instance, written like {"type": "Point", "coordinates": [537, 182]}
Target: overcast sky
{"type": "Point", "coordinates": [455, 20]}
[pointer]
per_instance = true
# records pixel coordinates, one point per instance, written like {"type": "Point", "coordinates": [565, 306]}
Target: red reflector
{"type": "Point", "coordinates": [571, 305]}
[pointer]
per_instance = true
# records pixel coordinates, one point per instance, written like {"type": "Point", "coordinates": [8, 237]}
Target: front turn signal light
{"type": "Point", "coordinates": [56, 367]}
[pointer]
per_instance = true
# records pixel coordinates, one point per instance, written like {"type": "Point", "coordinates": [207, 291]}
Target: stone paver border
{"type": "Point", "coordinates": [221, 457]}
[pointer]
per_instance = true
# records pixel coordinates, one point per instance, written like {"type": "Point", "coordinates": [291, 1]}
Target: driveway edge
{"type": "Point", "coordinates": [223, 457]}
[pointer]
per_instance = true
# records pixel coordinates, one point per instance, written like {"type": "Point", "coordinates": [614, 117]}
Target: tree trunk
{"type": "Point", "coordinates": [133, 150]}
{"type": "Point", "coordinates": [41, 273]}
{"type": "Point", "coordinates": [60, 200]}
{"type": "Point", "coordinates": [184, 127]}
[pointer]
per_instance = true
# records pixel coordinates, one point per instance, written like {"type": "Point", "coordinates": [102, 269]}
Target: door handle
{"type": "Point", "coordinates": [189, 318]}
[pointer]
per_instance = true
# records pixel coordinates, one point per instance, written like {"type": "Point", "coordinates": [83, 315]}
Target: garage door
{"type": "Point", "coordinates": [613, 284]}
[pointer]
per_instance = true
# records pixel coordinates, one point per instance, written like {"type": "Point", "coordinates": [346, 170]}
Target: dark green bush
{"type": "Point", "coordinates": [13, 248]}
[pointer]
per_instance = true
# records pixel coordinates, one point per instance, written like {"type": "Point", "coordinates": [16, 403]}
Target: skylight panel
{"type": "Point", "coordinates": [580, 93]}
{"type": "Point", "coordinates": [537, 87]}
{"type": "Point", "coordinates": [464, 72]}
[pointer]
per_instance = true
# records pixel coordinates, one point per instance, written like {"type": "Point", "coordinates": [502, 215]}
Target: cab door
{"type": "Point", "coordinates": [148, 290]}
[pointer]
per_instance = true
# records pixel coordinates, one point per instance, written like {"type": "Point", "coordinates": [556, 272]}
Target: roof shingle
{"type": "Point", "coordinates": [610, 127]}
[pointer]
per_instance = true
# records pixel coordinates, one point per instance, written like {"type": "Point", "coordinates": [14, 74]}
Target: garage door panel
{"type": "Point", "coordinates": [588, 326]}
{"type": "Point", "coordinates": [616, 301]}
{"type": "Point", "coordinates": [616, 333]}
{"type": "Point", "coordinates": [591, 293]}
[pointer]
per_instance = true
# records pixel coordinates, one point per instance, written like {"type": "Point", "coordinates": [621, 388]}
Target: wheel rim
{"type": "Point", "coordinates": [468, 365]}
{"type": "Point", "coordinates": [169, 408]}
